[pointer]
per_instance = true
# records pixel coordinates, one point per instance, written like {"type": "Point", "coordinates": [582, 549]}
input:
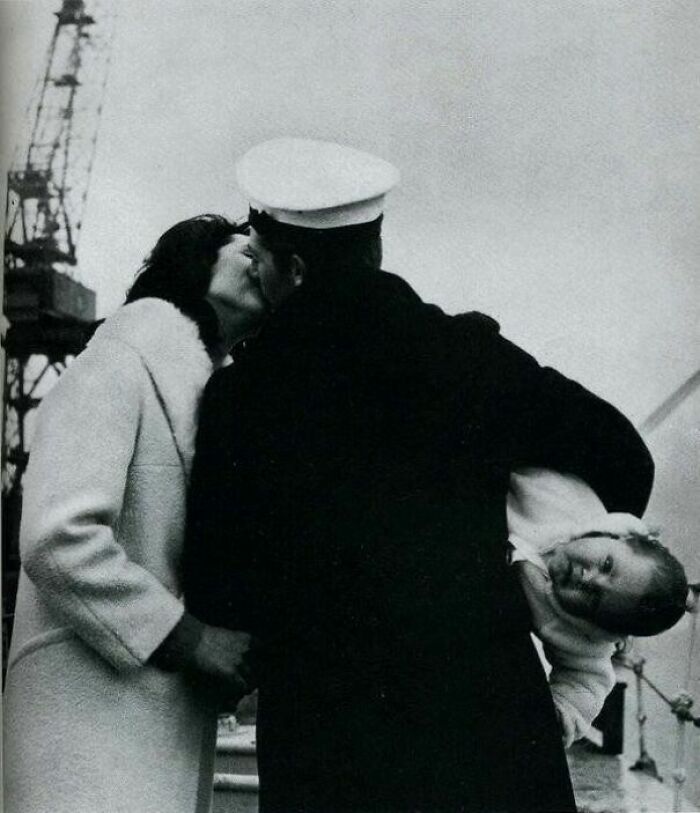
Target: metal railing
{"type": "Point", "coordinates": [679, 705]}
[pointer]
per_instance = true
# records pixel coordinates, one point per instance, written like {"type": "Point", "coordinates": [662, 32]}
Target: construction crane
{"type": "Point", "coordinates": [48, 309]}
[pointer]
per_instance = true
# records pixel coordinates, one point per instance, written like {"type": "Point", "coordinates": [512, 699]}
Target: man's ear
{"type": "Point", "coordinates": [297, 269]}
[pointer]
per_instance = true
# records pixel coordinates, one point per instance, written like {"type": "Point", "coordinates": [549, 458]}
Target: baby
{"type": "Point", "coordinates": [590, 579]}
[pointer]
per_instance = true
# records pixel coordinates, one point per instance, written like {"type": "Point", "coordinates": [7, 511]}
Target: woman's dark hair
{"type": "Point", "coordinates": [664, 600]}
{"type": "Point", "coordinates": [179, 269]}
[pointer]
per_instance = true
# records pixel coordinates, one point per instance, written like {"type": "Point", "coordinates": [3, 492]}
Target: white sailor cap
{"type": "Point", "coordinates": [315, 184]}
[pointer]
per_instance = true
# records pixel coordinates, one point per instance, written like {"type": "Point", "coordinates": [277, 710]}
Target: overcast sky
{"type": "Point", "coordinates": [548, 149]}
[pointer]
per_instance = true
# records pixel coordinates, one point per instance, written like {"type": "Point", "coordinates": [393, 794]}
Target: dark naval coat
{"type": "Point", "coordinates": [348, 507]}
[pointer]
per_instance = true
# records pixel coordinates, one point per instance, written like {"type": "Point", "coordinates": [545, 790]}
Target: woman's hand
{"type": "Point", "coordinates": [226, 659]}
{"type": "Point", "coordinates": [221, 659]}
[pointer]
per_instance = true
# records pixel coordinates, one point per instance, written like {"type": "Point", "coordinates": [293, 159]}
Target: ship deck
{"type": "Point", "coordinates": [605, 784]}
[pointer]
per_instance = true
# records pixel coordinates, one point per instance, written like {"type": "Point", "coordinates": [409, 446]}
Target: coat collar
{"type": "Point", "coordinates": [178, 364]}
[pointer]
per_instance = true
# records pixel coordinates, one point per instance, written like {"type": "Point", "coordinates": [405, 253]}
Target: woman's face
{"type": "Point", "coordinates": [231, 285]}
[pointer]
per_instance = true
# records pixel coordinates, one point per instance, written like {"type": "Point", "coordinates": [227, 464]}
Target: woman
{"type": "Point", "coordinates": [108, 700]}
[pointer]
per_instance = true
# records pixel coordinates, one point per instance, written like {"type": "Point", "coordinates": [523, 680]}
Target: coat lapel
{"type": "Point", "coordinates": [174, 357]}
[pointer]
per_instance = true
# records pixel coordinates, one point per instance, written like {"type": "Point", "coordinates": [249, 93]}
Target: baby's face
{"type": "Point", "coordinates": [598, 575]}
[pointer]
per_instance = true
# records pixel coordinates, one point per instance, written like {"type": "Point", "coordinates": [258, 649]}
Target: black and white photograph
{"type": "Point", "coordinates": [351, 406]}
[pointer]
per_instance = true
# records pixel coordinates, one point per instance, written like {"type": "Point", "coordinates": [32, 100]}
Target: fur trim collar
{"type": "Point", "coordinates": [175, 357]}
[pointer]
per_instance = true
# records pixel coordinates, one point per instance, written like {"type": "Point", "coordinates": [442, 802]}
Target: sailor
{"type": "Point", "coordinates": [348, 507]}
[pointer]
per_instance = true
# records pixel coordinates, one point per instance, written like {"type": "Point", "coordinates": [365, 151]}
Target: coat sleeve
{"type": "Point", "coordinates": [73, 495]}
{"type": "Point", "coordinates": [511, 411]}
{"type": "Point", "coordinates": [579, 683]}
{"type": "Point", "coordinates": [535, 416]}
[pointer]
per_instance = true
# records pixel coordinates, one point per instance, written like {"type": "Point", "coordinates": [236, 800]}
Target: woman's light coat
{"type": "Point", "coordinates": [90, 725]}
